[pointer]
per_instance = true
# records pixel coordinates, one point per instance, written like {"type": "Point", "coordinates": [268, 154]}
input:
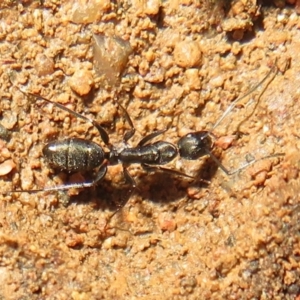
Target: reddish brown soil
{"type": "Point", "coordinates": [236, 238]}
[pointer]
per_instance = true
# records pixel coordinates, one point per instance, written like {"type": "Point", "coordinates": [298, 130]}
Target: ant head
{"type": "Point", "coordinates": [195, 144]}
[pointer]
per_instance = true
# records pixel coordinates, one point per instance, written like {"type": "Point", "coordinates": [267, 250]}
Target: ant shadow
{"type": "Point", "coordinates": [157, 187]}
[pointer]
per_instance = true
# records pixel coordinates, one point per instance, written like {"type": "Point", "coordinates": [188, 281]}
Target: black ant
{"type": "Point", "coordinates": [79, 155]}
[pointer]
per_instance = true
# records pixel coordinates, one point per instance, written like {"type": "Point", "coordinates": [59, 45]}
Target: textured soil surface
{"type": "Point", "coordinates": [174, 65]}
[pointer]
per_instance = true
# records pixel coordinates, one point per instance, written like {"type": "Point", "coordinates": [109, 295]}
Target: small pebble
{"type": "Point", "coordinates": [44, 65]}
{"type": "Point", "coordinates": [6, 167]}
{"type": "Point", "coordinates": [187, 54]}
{"type": "Point", "coordinates": [82, 82]}
{"type": "Point", "coordinates": [110, 56]}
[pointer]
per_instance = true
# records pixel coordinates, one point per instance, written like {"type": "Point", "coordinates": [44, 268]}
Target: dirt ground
{"type": "Point", "coordinates": [173, 65]}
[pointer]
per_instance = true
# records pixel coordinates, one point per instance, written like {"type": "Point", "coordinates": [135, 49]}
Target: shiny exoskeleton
{"type": "Point", "coordinates": [195, 145]}
{"type": "Point", "coordinates": [81, 155]}
{"type": "Point", "coordinates": [74, 155]}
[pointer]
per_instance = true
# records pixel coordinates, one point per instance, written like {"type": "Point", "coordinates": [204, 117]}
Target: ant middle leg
{"type": "Point", "coordinates": [124, 199]}
{"type": "Point", "coordinates": [128, 135]}
{"type": "Point", "coordinates": [155, 168]}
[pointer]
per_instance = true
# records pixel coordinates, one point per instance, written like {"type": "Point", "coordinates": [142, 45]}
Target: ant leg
{"type": "Point", "coordinates": [129, 134]}
{"type": "Point", "coordinates": [101, 173]}
{"type": "Point", "coordinates": [232, 172]}
{"type": "Point", "coordinates": [129, 179]}
{"type": "Point", "coordinates": [151, 136]}
{"type": "Point", "coordinates": [149, 168]}
{"type": "Point", "coordinates": [101, 130]}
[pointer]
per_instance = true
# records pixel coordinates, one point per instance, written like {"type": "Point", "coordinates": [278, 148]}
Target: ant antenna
{"type": "Point", "coordinates": [234, 103]}
{"type": "Point", "coordinates": [197, 144]}
{"type": "Point", "coordinates": [229, 109]}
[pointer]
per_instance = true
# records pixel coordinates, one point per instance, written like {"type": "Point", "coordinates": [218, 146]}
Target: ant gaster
{"type": "Point", "coordinates": [79, 155]}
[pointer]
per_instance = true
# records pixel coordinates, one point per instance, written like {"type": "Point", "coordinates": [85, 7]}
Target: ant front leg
{"type": "Point", "coordinates": [128, 135]}
{"type": "Point", "coordinates": [151, 136]}
{"type": "Point", "coordinates": [150, 168]}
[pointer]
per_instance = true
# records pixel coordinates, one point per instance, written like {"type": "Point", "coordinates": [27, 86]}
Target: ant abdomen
{"type": "Point", "coordinates": [195, 145]}
{"type": "Point", "coordinates": [74, 155]}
